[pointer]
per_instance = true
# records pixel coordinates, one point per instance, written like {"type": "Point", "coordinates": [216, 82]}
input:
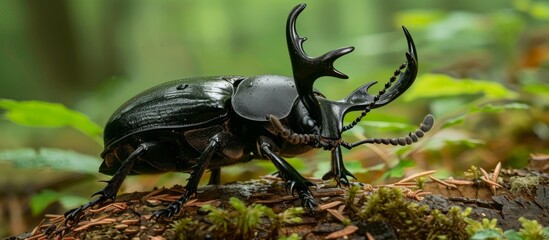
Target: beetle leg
{"type": "Point", "coordinates": [338, 171]}
{"type": "Point", "coordinates": [217, 143]}
{"type": "Point", "coordinates": [109, 192]}
{"type": "Point", "coordinates": [294, 180]}
{"type": "Point", "coordinates": [215, 176]}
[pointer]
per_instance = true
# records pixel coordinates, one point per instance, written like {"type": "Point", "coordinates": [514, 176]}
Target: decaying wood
{"type": "Point", "coordinates": [130, 216]}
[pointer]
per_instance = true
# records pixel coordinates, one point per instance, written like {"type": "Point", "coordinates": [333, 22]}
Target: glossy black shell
{"type": "Point", "coordinates": [258, 96]}
{"type": "Point", "coordinates": [181, 103]}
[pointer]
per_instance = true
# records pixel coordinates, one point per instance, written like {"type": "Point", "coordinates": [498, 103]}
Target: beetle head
{"type": "Point", "coordinates": [329, 114]}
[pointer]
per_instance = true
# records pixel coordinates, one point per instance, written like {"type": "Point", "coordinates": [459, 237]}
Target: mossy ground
{"type": "Point", "coordinates": [261, 209]}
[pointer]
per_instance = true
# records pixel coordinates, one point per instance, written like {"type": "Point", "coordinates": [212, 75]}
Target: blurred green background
{"type": "Point", "coordinates": [484, 70]}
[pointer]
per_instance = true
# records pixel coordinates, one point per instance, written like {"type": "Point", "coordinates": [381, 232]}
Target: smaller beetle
{"type": "Point", "coordinates": [195, 124]}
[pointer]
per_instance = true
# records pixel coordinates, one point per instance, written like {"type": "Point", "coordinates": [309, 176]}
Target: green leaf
{"type": "Point", "coordinates": [486, 234]}
{"type": "Point", "coordinates": [58, 159]}
{"type": "Point", "coordinates": [494, 108]}
{"type": "Point", "coordinates": [439, 85]}
{"type": "Point", "coordinates": [387, 126]}
{"type": "Point", "coordinates": [512, 235]}
{"type": "Point", "coordinates": [43, 199]}
{"type": "Point", "coordinates": [355, 167]}
{"type": "Point", "coordinates": [540, 10]}
{"type": "Point", "coordinates": [71, 201]}
{"type": "Point", "coordinates": [417, 18]}
{"type": "Point", "coordinates": [398, 170]}
{"type": "Point", "coordinates": [489, 108]}
{"type": "Point", "coordinates": [296, 162]}
{"type": "Point", "coordinates": [537, 88]}
{"type": "Point", "coordinates": [436, 144]}
{"type": "Point", "coordinates": [45, 114]}
{"type": "Point", "coordinates": [455, 121]}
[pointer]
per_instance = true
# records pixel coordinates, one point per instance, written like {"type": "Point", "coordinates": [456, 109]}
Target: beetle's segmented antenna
{"type": "Point", "coordinates": [368, 108]}
{"type": "Point", "coordinates": [412, 137]}
{"type": "Point", "coordinates": [286, 133]}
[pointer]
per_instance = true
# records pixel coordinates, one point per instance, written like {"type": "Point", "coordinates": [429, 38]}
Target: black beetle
{"type": "Point", "coordinates": [194, 124]}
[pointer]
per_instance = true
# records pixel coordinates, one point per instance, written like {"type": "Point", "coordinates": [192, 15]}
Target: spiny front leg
{"type": "Point", "coordinates": [294, 180]}
{"type": "Point", "coordinates": [338, 171]}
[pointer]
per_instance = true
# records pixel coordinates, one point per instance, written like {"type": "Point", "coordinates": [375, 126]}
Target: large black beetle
{"type": "Point", "coordinates": [195, 124]}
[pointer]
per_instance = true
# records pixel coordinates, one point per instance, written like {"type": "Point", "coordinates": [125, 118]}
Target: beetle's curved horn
{"type": "Point", "coordinates": [361, 99]}
{"type": "Point", "coordinates": [306, 69]}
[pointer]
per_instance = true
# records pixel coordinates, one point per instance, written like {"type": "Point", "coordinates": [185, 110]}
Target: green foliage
{"type": "Point", "coordinates": [488, 108]}
{"type": "Point", "coordinates": [538, 10]}
{"type": "Point", "coordinates": [418, 18]}
{"type": "Point", "coordinates": [536, 88]}
{"type": "Point", "coordinates": [58, 159]}
{"type": "Point", "coordinates": [45, 114]}
{"type": "Point", "coordinates": [43, 199]}
{"type": "Point", "coordinates": [398, 170]}
{"type": "Point", "coordinates": [384, 126]}
{"type": "Point", "coordinates": [438, 85]}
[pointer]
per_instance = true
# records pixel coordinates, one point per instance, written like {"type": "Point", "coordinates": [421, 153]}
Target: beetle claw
{"type": "Point", "coordinates": [308, 201]}
{"type": "Point", "coordinates": [340, 178]}
{"type": "Point", "coordinates": [290, 184]}
{"type": "Point", "coordinates": [169, 211]}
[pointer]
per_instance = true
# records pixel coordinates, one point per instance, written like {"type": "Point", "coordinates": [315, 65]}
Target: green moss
{"type": "Point", "coordinates": [420, 182]}
{"type": "Point", "coordinates": [350, 198]}
{"type": "Point", "coordinates": [294, 236]}
{"type": "Point", "coordinates": [488, 227]}
{"type": "Point", "coordinates": [411, 220]}
{"type": "Point", "coordinates": [527, 184]}
{"type": "Point", "coordinates": [473, 173]}
{"type": "Point", "coordinates": [184, 227]}
{"type": "Point", "coordinates": [241, 222]}
{"type": "Point", "coordinates": [488, 230]}
{"type": "Point", "coordinates": [531, 229]}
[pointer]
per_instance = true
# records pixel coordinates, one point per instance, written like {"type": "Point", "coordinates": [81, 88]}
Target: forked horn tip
{"type": "Point", "coordinates": [332, 56]}
{"type": "Point", "coordinates": [411, 45]}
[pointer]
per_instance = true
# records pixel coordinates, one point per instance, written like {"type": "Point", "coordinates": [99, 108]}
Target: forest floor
{"type": "Point", "coordinates": [417, 206]}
